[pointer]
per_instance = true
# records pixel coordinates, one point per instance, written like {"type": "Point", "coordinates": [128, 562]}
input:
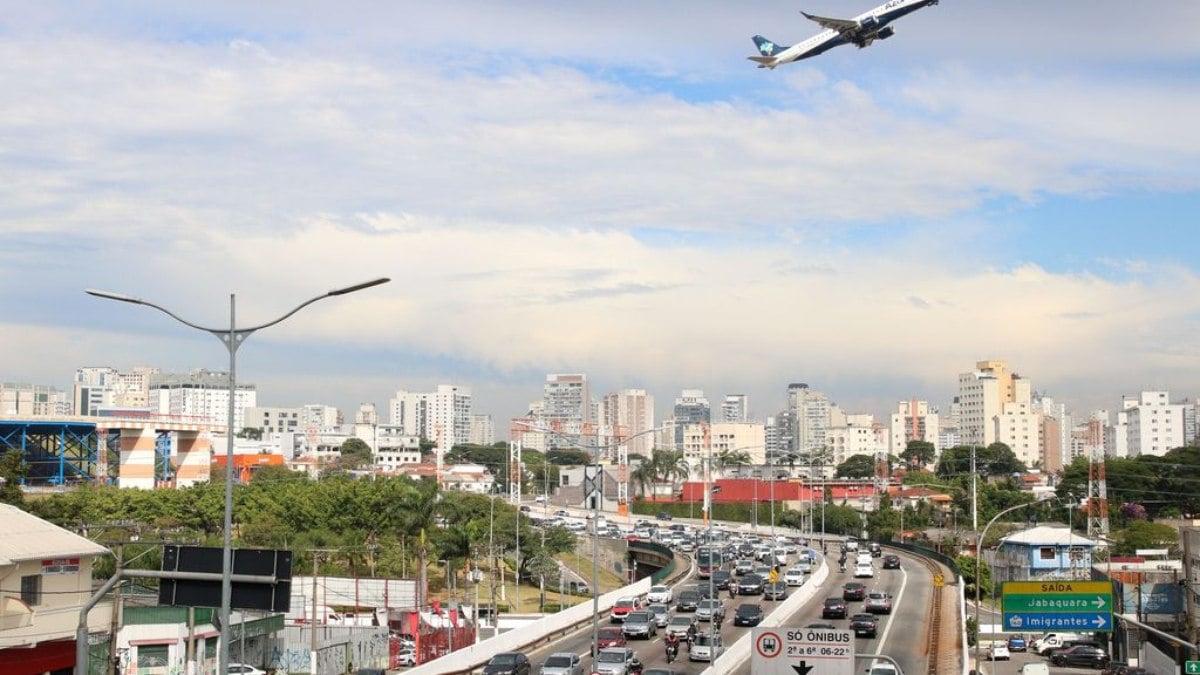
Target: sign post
{"type": "Point", "coordinates": [801, 651]}
{"type": "Point", "coordinates": [1057, 605]}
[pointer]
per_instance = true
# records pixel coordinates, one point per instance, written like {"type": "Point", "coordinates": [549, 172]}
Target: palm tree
{"type": "Point", "coordinates": [729, 458]}
{"type": "Point", "coordinates": [646, 473]}
{"type": "Point", "coordinates": [421, 504]}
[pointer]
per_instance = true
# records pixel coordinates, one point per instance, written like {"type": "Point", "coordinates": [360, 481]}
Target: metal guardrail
{"type": "Point", "coordinates": [666, 553]}
{"type": "Point", "coordinates": [929, 553]}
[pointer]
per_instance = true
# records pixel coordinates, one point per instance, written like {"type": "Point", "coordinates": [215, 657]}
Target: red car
{"type": "Point", "coordinates": [622, 609]}
{"type": "Point", "coordinates": [610, 637]}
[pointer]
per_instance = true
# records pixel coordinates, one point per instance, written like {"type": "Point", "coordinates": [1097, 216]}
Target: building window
{"type": "Point", "coordinates": [153, 656]}
{"type": "Point", "coordinates": [1047, 553]}
{"type": "Point", "coordinates": [31, 590]}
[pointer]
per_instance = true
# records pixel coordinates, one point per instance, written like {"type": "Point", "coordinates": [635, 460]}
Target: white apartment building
{"type": "Point", "coordinates": [1020, 428]}
{"type": "Point", "coordinates": [913, 421]}
{"type": "Point", "coordinates": [982, 394]}
{"type": "Point", "coordinates": [628, 415]}
{"type": "Point", "coordinates": [317, 416]}
{"type": "Point", "coordinates": [202, 394]}
{"type": "Point", "coordinates": [702, 441]}
{"type": "Point", "coordinates": [735, 408]}
{"type": "Point", "coordinates": [32, 400]}
{"type": "Point", "coordinates": [273, 420]}
{"type": "Point", "coordinates": [567, 400]}
{"type": "Point", "coordinates": [442, 416]}
{"type": "Point", "coordinates": [858, 436]}
{"type": "Point", "coordinates": [1155, 425]}
{"type": "Point", "coordinates": [812, 411]}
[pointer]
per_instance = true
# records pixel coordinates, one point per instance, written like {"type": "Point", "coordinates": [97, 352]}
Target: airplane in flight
{"type": "Point", "coordinates": [862, 30]}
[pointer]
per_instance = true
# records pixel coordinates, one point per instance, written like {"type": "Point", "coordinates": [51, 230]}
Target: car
{"type": "Point", "coordinates": [525, 508]}
{"type": "Point", "coordinates": [863, 558]}
{"type": "Point", "coordinates": [562, 663]}
{"type": "Point", "coordinates": [406, 658]}
{"type": "Point", "coordinates": [835, 608]}
{"type": "Point", "coordinates": [663, 515]}
{"type": "Point", "coordinates": [891, 561]}
{"type": "Point", "coordinates": [706, 647]}
{"type": "Point", "coordinates": [709, 608]}
{"type": "Point", "coordinates": [244, 669]}
{"type": "Point", "coordinates": [1122, 668]}
{"type": "Point", "coordinates": [864, 625]}
{"type": "Point", "coordinates": [998, 652]}
{"type": "Point", "coordinates": [881, 668]}
{"type": "Point", "coordinates": [687, 546]}
{"type": "Point", "coordinates": [875, 549]}
{"type": "Point", "coordinates": [1034, 669]}
{"type": "Point", "coordinates": [370, 671]}
{"type": "Point", "coordinates": [1085, 656]}
{"type": "Point", "coordinates": [660, 594]}
{"type": "Point", "coordinates": [508, 663]}
{"type": "Point", "coordinates": [687, 601]}
{"type": "Point", "coordinates": [747, 614]}
{"type": "Point", "coordinates": [822, 625]}
{"type": "Point", "coordinates": [853, 590]}
{"type": "Point", "coordinates": [864, 571]}
{"type": "Point", "coordinates": [640, 624]}
{"type": "Point", "coordinates": [662, 671]}
{"type": "Point", "coordinates": [878, 602]}
{"type": "Point", "coordinates": [744, 566]}
{"type": "Point", "coordinates": [562, 513]}
{"type": "Point", "coordinates": [622, 608]}
{"type": "Point", "coordinates": [610, 637]}
{"type": "Point", "coordinates": [540, 499]}
{"type": "Point", "coordinates": [661, 614]}
{"type": "Point", "coordinates": [682, 626]}
{"type": "Point", "coordinates": [722, 579]}
{"type": "Point", "coordinates": [614, 661]}
{"type": "Point", "coordinates": [776, 590]}
{"type": "Point", "coordinates": [751, 584]}
{"type": "Point", "coordinates": [1017, 643]}
{"type": "Point", "coordinates": [794, 577]}
{"type": "Point", "coordinates": [745, 550]}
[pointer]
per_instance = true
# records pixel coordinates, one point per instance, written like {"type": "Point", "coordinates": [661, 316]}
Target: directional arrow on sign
{"type": "Point", "coordinates": [1101, 621]}
{"type": "Point", "coordinates": [803, 668]}
{"type": "Point", "coordinates": [1100, 603]}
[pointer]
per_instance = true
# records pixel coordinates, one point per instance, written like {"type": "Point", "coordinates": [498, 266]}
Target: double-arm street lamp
{"type": "Point", "coordinates": [232, 338]}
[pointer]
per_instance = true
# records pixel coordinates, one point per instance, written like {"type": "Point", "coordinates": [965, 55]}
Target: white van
{"type": "Point", "coordinates": [1049, 641]}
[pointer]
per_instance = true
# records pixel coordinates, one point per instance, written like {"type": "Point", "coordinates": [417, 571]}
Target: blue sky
{"type": "Point", "coordinates": [609, 188]}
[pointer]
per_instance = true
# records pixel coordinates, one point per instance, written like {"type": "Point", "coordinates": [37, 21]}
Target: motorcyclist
{"type": "Point", "coordinates": [635, 666]}
{"type": "Point", "coordinates": [672, 645]}
{"type": "Point", "coordinates": [732, 590]}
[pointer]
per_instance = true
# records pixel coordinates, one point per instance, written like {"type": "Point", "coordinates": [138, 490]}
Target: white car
{"type": "Point", "coordinates": [999, 652]}
{"type": "Point", "coordinates": [706, 647]}
{"type": "Point", "coordinates": [864, 571]}
{"type": "Point", "coordinates": [794, 577]}
{"type": "Point", "coordinates": [406, 658]}
{"type": "Point", "coordinates": [660, 594]}
{"type": "Point", "coordinates": [243, 669]}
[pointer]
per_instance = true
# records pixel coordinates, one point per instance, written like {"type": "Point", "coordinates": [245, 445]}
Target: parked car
{"type": "Point", "coordinates": [622, 608]}
{"type": "Point", "coordinates": [706, 648]}
{"type": "Point", "coordinates": [853, 590]}
{"type": "Point", "coordinates": [1017, 643]}
{"type": "Point", "coordinates": [562, 663]}
{"type": "Point", "coordinates": [794, 577]}
{"type": "Point", "coordinates": [508, 663]}
{"type": "Point", "coordinates": [682, 626]}
{"type": "Point", "coordinates": [613, 661]}
{"type": "Point", "coordinates": [747, 614]}
{"type": "Point", "coordinates": [751, 584]}
{"type": "Point", "coordinates": [999, 652]}
{"type": "Point", "coordinates": [891, 561]}
{"type": "Point", "coordinates": [1080, 656]}
{"type": "Point", "coordinates": [660, 594]}
{"type": "Point", "coordinates": [661, 614]}
{"type": "Point", "coordinates": [610, 637]}
{"type": "Point", "coordinates": [777, 590]}
{"type": "Point", "coordinates": [864, 625]}
{"type": "Point", "coordinates": [878, 602]}
{"type": "Point", "coordinates": [835, 608]}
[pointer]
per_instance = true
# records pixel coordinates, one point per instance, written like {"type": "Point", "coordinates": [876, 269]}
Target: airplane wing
{"type": "Point", "coordinates": [840, 25]}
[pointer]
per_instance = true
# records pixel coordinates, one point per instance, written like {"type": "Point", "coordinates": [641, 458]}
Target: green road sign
{"type": "Point", "coordinates": [1192, 668]}
{"type": "Point", "coordinates": [1062, 605]}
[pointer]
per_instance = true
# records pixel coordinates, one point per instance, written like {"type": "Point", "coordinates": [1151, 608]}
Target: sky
{"type": "Point", "coordinates": [608, 188]}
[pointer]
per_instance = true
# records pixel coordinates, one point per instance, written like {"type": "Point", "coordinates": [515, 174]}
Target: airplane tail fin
{"type": "Point", "coordinates": [766, 47]}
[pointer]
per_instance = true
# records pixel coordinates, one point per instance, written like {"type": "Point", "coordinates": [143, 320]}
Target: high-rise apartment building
{"type": "Point", "coordinates": [1155, 424]}
{"type": "Point", "coordinates": [690, 408]}
{"type": "Point", "coordinates": [913, 421]}
{"type": "Point", "coordinates": [483, 432]}
{"type": "Point", "coordinates": [32, 400]}
{"type": "Point", "coordinates": [317, 417]}
{"type": "Point", "coordinates": [982, 394]}
{"type": "Point", "coordinates": [812, 412]}
{"type": "Point", "coordinates": [1020, 428]}
{"type": "Point", "coordinates": [201, 394]}
{"type": "Point", "coordinates": [628, 416]}
{"type": "Point", "coordinates": [567, 401]}
{"type": "Point", "coordinates": [442, 416]}
{"type": "Point", "coordinates": [273, 420]}
{"type": "Point", "coordinates": [854, 434]}
{"type": "Point", "coordinates": [735, 408]}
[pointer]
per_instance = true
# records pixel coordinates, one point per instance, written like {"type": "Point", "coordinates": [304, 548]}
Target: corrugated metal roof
{"type": "Point", "coordinates": [1048, 536]}
{"type": "Point", "coordinates": [24, 536]}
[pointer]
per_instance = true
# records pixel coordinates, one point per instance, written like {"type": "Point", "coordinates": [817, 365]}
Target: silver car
{"type": "Point", "coordinates": [640, 624]}
{"type": "Point", "coordinates": [707, 609]}
{"type": "Point", "coordinates": [661, 614]}
{"type": "Point", "coordinates": [562, 663]}
{"type": "Point", "coordinates": [613, 661]}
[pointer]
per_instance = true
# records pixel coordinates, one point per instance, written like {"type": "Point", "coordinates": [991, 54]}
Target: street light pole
{"type": "Point", "coordinates": [979, 571]}
{"type": "Point", "coordinates": [232, 338]}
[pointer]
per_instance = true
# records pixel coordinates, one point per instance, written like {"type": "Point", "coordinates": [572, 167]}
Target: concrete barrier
{"type": "Point", "coordinates": [475, 656]}
{"type": "Point", "coordinates": [739, 651]}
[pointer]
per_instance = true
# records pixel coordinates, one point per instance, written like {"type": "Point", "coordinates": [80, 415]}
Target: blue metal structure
{"type": "Point", "coordinates": [163, 471]}
{"type": "Point", "coordinates": [53, 452]}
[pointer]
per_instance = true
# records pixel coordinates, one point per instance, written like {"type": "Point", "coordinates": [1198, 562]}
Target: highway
{"type": "Point", "coordinates": [901, 634]}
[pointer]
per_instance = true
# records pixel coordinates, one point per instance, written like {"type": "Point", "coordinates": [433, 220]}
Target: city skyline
{"type": "Point", "coordinates": [562, 192]}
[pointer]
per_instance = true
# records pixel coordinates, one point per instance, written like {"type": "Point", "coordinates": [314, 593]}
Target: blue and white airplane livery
{"type": "Point", "coordinates": [862, 30]}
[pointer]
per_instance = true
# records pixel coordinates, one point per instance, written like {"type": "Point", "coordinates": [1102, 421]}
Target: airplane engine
{"type": "Point", "coordinates": [885, 33]}
{"type": "Point", "coordinates": [868, 23]}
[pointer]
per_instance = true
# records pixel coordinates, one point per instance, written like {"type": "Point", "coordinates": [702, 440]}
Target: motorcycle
{"type": "Point", "coordinates": [672, 651]}
{"type": "Point", "coordinates": [635, 666]}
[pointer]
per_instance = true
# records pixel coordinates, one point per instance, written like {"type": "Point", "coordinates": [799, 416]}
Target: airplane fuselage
{"type": "Point", "coordinates": [872, 25]}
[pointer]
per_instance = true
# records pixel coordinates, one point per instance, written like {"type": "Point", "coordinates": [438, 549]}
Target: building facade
{"type": "Point", "coordinates": [33, 400]}
{"type": "Point", "coordinates": [1155, 425]}
{"type": "Point", "coordinates": [982, 394]}
{"type": "Point", "coordinates": [442, 416]}
{"type": "Point", "coordinates": [202, 394]}
{"type": "Point", "coordinates": [913, 421]}
{"type": "Point", "coordinates": [735, 408]}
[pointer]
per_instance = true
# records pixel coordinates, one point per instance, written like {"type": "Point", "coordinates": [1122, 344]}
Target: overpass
{"type": "Point", "coordinates": [131, 450]}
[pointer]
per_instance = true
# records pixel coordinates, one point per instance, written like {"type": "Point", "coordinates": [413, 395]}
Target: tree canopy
{"type": "Point", "coordinates": [856, 466]}
{"type": "Point", "coordinates": [917, 454]}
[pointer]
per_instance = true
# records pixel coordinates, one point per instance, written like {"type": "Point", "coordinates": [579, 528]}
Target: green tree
{"type": "Point", "coordinates": [1144, 534]}
{"type": "Point", "coordinates": [917, 454]}
{"type": "Point", "coordinates": [252, 433]}
{"type": "Point", "coordinates": [856, 466]}
{"type": "Point", "coordinates": [842, 520]}
{"type": "Point", "coordinates": [728, 458]}
{"type": "Point", "coordinates": [12, 470]}
{"type": "Point", "coordinates": [354, 454]}
{"type": "Point", "coordinates": [566, 457]}
{"type": "Point", "coordinates": [967, 567]}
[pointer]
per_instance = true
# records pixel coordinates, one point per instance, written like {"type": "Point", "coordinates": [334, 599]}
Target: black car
{"type": "Point", "coordinates": [687, 601]}
{"type": "Point", "coordinates": [1083, 656]}
{"type": "Point", "coordinates": [853, 591]}
{"type": "Point", "coordinates": [507, 663]}
{"type": "Point", "coordinates": [891, 561]}
{"type": "Point", "coordinates": [747, 614]}
{"type": "Point", "coordinates": [664, 516]}
{"type": "Point", "coordinates": [835, 608]}
{"type": "Point", "coordinates": [864, 625]}
{"type": "Point", "coordinates": [751, 584]}
{"type": "Point", "coordinates": [708, 589]}
{"type": "Point", "coordinates": [822, 624]}
{"type": "Point", "coordinates": [874, 549]}
{"type": "Point", "coordinates": [721, 579]}
{"type": "Point", "coordinates": [746, 550]}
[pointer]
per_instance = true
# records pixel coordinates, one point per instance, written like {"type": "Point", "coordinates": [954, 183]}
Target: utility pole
{"type": "Point", "coordinates": [116, 613]}
{"type": "Point", "coordinates": [974, 494]}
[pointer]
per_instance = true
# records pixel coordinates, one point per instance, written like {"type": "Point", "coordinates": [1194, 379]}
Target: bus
{"type": "Point", "coordinates": [708, 561]}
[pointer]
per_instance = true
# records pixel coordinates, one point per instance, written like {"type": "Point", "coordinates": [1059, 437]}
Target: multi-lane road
{"type": "Point", "coordinates": [901, 634]}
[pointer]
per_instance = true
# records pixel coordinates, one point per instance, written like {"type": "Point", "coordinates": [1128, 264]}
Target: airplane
{"type": "Point", "coordinates": [862, 30]}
